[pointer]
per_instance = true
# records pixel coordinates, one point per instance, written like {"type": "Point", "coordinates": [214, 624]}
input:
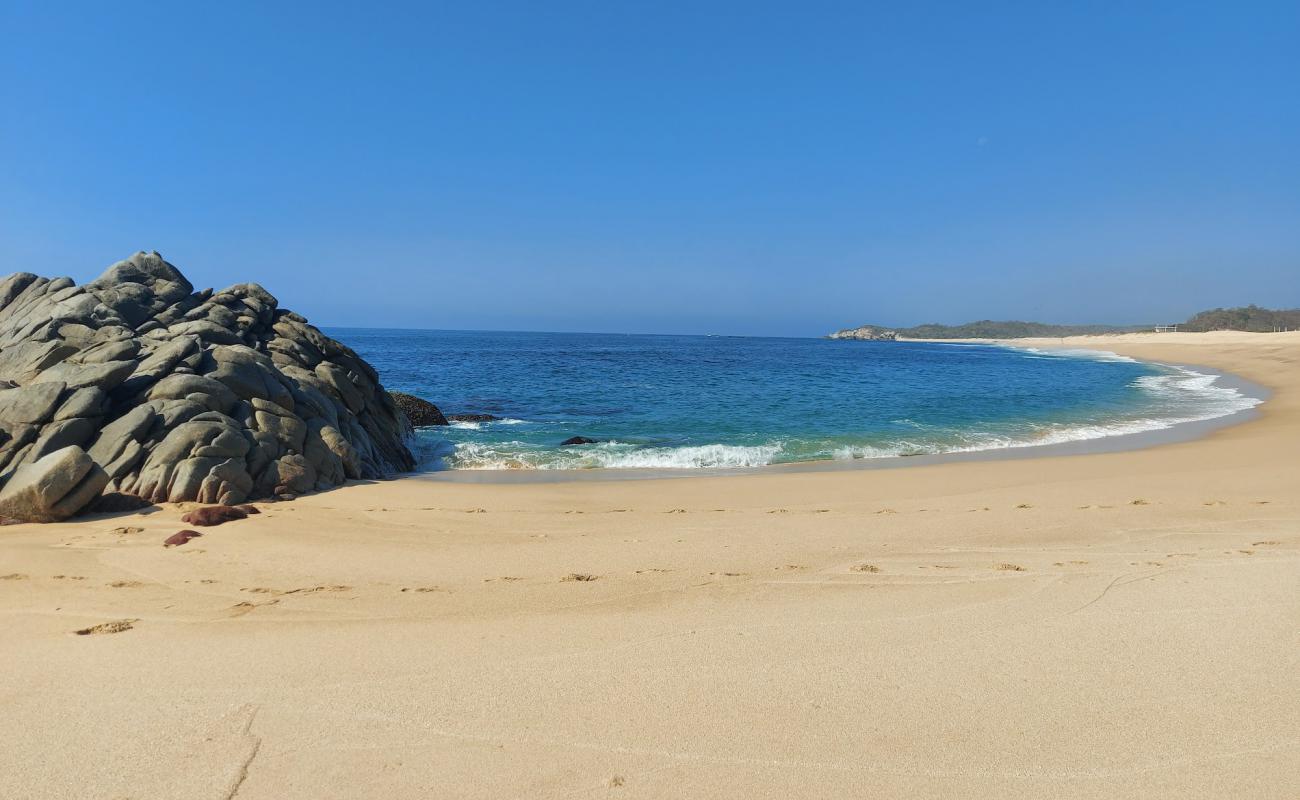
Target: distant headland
{"type": "Point", "coordinates": [1245, 318]}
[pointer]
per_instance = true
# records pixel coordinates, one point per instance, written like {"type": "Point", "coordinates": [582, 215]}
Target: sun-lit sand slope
{"type": "Point", "coordinates": [1112, 625]}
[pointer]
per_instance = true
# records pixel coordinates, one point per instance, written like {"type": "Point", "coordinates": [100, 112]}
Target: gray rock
{"type": "Point", "coordinates": [88, 401]}
{"type": "Point", "coordinates": [140, 287]}
{"type": "Point", "coordinates": [30, 404]}
{"type": "Point", "coordinates": [52, 488]}
{"type": "Point", "coordinates": [106, 375]}
{"type": "Point", "coordinates": [209, 392]}
{"type": "Point", "coordinates": [178, 395]}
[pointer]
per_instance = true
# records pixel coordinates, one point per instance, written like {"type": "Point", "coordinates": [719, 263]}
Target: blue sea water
{"type": "Point", "coordinates": [699, 401]}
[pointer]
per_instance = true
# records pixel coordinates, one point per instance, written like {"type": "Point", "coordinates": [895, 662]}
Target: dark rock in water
{"type": "Point", "coordinates": [179, 538]}
{"type": "Point", "coordinates": [214, 515]}
{"type": "Point", "coordinates": [577, 440]}
{"type": "Point", "coordinates": [146, 389]}
{"type": "Point", "coordinates": [472, 418]}
{"type": "Point", "coordinates": [420, 412]}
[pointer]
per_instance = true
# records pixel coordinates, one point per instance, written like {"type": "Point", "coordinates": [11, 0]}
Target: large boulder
{"type": "Point", "coordinates": [419, 411]}
{"type": "Point", "coordinates": [52, 488]}
{"type": "Point", "coordinates": [178, 395]}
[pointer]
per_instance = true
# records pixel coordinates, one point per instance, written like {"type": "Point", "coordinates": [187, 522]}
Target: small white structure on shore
{"type": "Point", "coordinates": [1166, 329]}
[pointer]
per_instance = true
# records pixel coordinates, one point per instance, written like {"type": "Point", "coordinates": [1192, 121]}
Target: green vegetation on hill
{"type": "Point", "coordinates": [1248, 318]}
{"type": "Point", "coordinates": [991, 329]}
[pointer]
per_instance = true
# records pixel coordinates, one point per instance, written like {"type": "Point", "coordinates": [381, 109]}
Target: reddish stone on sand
{"type": "Point", "coordinates": [214, 515]}
{"type": "Point", "coordinates": [179, 538]}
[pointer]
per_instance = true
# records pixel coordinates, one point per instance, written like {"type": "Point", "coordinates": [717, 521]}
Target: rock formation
{"type": "Point", "coordinates": [136, 386]}
{"type": "Point", "coordinates": [419, 411]}
{"type": "Point", "coordinates": [868, 333]}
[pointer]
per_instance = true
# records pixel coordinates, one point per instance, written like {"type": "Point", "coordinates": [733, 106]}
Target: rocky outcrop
{"type": "Point", "coordinates": [866, 333]}
{"type": "Point", "coordinates": [144, 388]}
{"type": "Point", "coordinates": [420, 412]}
{"type": "Point", "coordinates": [472, 418]}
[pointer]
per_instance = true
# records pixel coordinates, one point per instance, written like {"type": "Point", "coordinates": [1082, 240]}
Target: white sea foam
{"type": "Point", "coordinates": [612, 455]}
{"type": "Point", "coordinates": [1077, 352]}
{"type": "Point", "coordinates": [1177, 396]}
{"type": "Point", "coordinates": [467, 425]}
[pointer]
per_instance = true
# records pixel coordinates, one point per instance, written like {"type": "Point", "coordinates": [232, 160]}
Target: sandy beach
{"type": "Point", "coordinates": [1095, 626]}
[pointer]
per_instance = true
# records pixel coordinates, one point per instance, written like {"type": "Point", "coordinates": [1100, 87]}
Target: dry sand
{"type": "Point", "coordinates": [1109, 625]}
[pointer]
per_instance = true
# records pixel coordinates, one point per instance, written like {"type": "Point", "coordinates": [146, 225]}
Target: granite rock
{"type": "Point", "coordinates": [135, 388]}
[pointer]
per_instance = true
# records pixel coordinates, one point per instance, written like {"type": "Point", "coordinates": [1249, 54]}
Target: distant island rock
{"type": "Point", "coordinates": [136, 389]}
{"type": "Point", "coordinates": [866, 333]}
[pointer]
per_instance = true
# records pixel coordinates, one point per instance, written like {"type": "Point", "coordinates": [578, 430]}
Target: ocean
{"type": "Point", "coordinates": [694, 402]}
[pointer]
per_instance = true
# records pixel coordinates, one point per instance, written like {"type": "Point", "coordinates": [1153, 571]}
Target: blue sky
{"type": "Point", "coordinates": [749, 167]}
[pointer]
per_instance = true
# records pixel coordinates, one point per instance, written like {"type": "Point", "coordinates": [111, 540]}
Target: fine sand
{"type": "Point", "coordinates": [1109, 625]}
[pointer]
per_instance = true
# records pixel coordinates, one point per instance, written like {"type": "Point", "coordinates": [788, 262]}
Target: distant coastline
{"type": "Point", "coordinates": [1252, 318]}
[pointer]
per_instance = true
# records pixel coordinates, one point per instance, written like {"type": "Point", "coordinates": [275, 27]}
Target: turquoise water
{"type": "Point", "coordinates": [697, 402]}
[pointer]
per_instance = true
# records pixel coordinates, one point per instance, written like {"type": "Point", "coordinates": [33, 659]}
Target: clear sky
{"type": "Point", "coordinates": [693, 167]}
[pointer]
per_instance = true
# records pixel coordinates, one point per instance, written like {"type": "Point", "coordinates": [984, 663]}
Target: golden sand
{"type": "Point", "coordinates": [1107, 625]}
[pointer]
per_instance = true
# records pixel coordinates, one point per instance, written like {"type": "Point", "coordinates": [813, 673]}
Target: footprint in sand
{"type": "Point", "coordinates": [865, 568]}
{"type": "Point", "coordinates": [125, 584]}
{"type": "Point", "coordinates": [675, 511]}
{"type": "Point", "coordinates": [1265, 543]}
{"type": "Point", "coordinates": [421, 589]}
{"type": "Point", "coordinates": [69, 577]}
{"type": "Point", "coordinates": [580, 577]}
{"type": "Point", "coordinates": [1214, 503]}
{"type": "Point", "coordinates": [13, 576]}
{"type": "Point", "coordinates": [1024, 505]}
{"type": "Point", "coordinates": [1007, 567]}
{"type": "Point", "coordinates": [240, 609]}
{"type": "Point", "coordinates": [1138, 502]}
{"type": "Point", "coordinates": [779, 511]}
{"type": "Point", "coordinates": [117, 626]}
{"type": "Point", "coordinates": [314, 589]}
{"type": "Point", "coordinates": [126, 530]}
{"type": "Point", "coordinates": [886, 511]}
